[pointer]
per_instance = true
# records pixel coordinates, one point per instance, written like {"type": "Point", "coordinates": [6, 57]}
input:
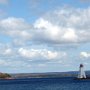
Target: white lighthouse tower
{"type": "Point", "coordinates": [81, 73]}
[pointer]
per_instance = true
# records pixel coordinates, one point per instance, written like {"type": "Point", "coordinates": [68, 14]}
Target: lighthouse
{"type": "Point", "coordinates": [81, 73]}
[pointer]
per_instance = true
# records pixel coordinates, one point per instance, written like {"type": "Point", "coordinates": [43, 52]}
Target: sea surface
{"type": "Point", "coordinates": [66, 83]}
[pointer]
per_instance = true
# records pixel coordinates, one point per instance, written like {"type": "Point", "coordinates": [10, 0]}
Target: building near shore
{"type": "Point", "coordinates": [81, 73]}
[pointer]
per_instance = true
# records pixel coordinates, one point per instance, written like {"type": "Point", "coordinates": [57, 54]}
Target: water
{"type": "Point", "coordinates": [45, 84]}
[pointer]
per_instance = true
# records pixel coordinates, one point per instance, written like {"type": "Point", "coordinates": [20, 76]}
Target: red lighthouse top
{"type": "Point", "coordinates": [81, 65]}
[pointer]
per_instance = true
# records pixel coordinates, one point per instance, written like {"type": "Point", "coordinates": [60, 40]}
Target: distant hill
{"type": "Point", "coordinates": [48, 74]}
{"type": "Point", "coordinates": [44, 75]}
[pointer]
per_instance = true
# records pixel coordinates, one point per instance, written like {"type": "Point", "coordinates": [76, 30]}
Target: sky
{"type": "Point", "coordinates": [44, 35]}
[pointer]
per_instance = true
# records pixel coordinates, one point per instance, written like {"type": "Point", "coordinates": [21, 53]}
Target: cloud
{"type": "Point", "coordinates": [6, 51]}
{"type": "Point", "coordinates": [41, 54]}
{"type": "Point", "coordinates": [9, 58]}
{"type": "Point", "coordinates": [85, 55]}
{"type": "Point", "coordinates": [64, 26]}
{"type": "Point", "coordinates": [70, 36]}
{"type": "Point", "coordinates": [58, 27]}
{"type": "Point", "coordinates": [16, 28]}
{"type": "Point", "coordinates": [26, 57]}
{"type": "Point", "coordinates": [55, 33]}
{"type": "Point", "coordinates": [13, 23]}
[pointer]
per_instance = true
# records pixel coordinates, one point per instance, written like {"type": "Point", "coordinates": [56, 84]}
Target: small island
{"type": "Point", "coordinates": [5, 76]}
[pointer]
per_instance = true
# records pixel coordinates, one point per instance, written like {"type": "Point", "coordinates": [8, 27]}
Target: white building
{"type": "Point", "coordinates": [81, 73]}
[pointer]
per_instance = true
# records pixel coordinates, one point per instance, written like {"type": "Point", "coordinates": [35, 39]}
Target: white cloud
{"type": "Point", "coordinates": [16, 28]}
{"type": "Point", "coordinates": [70, 36]}
{"type": "Point", "coordinates": [48, 29]}
{"type": "Point", "coordinates": [85, 55]}
{"type": "Point", "coordinates": [12, 23]}
{"type": "Point", "coordinates": [54, 33]}
{"type": "Point", "coordinates": [41, 54]}
{"type": "Point", "coordinates": [8, 51]}
{"type": "Point", "coordinates": [64, 26]}
{"type": "Point", "coordinates": [60, 27]}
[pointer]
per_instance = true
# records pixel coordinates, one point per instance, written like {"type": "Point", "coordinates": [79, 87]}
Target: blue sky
{"type": "Point", "coordinates": [44, 35]}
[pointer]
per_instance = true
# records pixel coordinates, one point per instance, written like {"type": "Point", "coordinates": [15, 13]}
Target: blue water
{"type": "Point", "coordinates": [45, 84]}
